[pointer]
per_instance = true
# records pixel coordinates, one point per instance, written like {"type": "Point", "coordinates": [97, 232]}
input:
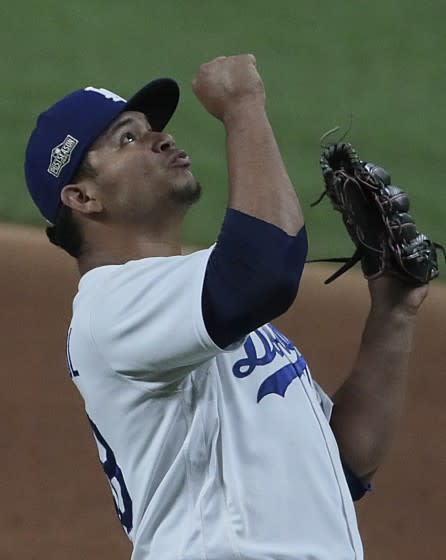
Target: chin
{"type": "Point", "coordinates": [188, 193]}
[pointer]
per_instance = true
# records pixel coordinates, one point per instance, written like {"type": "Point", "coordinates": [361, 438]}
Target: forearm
{"type": "Point", "coordinates": [258, 181]}
{"type": "Point", "coordinates": [231, 90]}
{"type": "Point", "coordinates": [369, 404]}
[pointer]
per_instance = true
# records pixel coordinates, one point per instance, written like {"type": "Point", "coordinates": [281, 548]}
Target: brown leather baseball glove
{"type": "Point", "coordinates": [376, 216]}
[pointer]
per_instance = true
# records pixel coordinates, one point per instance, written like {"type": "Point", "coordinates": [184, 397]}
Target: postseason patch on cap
{"type": "Point", "coordinates": [61, 155]}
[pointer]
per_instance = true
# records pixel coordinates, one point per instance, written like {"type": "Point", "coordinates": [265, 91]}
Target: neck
{"type": "Point", "coordinates": [118, 245]}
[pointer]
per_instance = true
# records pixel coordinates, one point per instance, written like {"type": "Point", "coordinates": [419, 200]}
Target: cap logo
{"type": "Point", "coordinates": [106, 93]}
{"type": "Point", "coordinates": [61, 155]}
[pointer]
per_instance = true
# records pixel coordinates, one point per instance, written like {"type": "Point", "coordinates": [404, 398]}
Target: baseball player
{"type": "Point", "coordinates": [216, 441]}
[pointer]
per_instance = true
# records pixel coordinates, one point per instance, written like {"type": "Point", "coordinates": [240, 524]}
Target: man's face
{"type": "Point", "coordinates": [140, 174]}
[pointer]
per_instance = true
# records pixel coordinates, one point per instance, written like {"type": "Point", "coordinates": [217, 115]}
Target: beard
{"type": "Point", "coordinates": [186, 194]}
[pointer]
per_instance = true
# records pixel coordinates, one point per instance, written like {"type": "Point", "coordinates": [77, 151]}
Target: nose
{"type": "Point", "coordinates": [163, 142]}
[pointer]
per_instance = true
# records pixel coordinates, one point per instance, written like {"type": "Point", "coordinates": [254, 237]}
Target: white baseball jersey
{"type": "Point", "coordinates": [211, 454]}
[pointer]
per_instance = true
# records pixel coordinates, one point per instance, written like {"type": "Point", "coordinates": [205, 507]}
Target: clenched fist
{"type": "Point", "coordinates": [227, 84]}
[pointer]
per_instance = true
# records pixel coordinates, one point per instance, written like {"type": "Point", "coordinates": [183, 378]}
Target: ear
{"type": "Point", "coordinates": [78, 197]}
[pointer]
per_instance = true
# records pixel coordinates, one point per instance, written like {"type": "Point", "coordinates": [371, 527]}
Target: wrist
{"type": "Point", "coordinates": [244, 111]}
{"type": "Point", "coordinates": [392, 296]}
{"type": "Point", "coordinates": [385, 324]}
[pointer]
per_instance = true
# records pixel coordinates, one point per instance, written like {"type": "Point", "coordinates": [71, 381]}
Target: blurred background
{"type": "Point", "coordinates": [380, 63]}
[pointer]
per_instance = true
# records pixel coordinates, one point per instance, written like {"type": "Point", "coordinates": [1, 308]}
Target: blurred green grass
{"type": "Point", "coordinates": [321, 61]}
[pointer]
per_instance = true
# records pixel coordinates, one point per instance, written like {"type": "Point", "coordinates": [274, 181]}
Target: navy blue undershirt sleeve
{"type": "Point", "coordinates": [252, 276]}
{"type": "Point", "coordinates": [356, 486]}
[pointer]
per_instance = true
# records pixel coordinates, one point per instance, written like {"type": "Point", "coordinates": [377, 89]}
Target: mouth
{"type": "Point", "coordinates": [180, 159]}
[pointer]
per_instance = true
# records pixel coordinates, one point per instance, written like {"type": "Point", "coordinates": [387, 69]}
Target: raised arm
{"type": "Point", "coordinates": [254, 271]}
{"type": "Point", "coordinates": [232, 90]}
{"type": "Point", "coordinates": [368, 405]}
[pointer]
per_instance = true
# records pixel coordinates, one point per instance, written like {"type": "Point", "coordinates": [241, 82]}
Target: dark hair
{"type": "Point", "coordinates": [66, 231]}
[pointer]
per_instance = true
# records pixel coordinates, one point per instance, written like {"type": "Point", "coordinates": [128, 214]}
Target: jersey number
{"type": "Point", "coordinates": [121, 496]}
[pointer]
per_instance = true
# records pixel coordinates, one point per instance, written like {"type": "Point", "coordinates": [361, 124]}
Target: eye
{"type": "Point", "coordinates": [127, 138]}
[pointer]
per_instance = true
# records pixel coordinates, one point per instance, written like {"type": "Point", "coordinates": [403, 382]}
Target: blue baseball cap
{"type": "Point", "coordinates": [65, 132]}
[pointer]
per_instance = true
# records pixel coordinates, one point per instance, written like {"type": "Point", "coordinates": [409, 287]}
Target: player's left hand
{"type": "Point", "coordinates": [391, 294]}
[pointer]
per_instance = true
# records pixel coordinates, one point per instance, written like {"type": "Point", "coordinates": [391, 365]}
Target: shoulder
{"type": "Point", "coordinates": [105, 279]}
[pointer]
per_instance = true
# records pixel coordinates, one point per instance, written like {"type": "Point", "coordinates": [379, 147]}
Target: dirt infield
{"type": "Point", "coordinates": [56, 502]}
